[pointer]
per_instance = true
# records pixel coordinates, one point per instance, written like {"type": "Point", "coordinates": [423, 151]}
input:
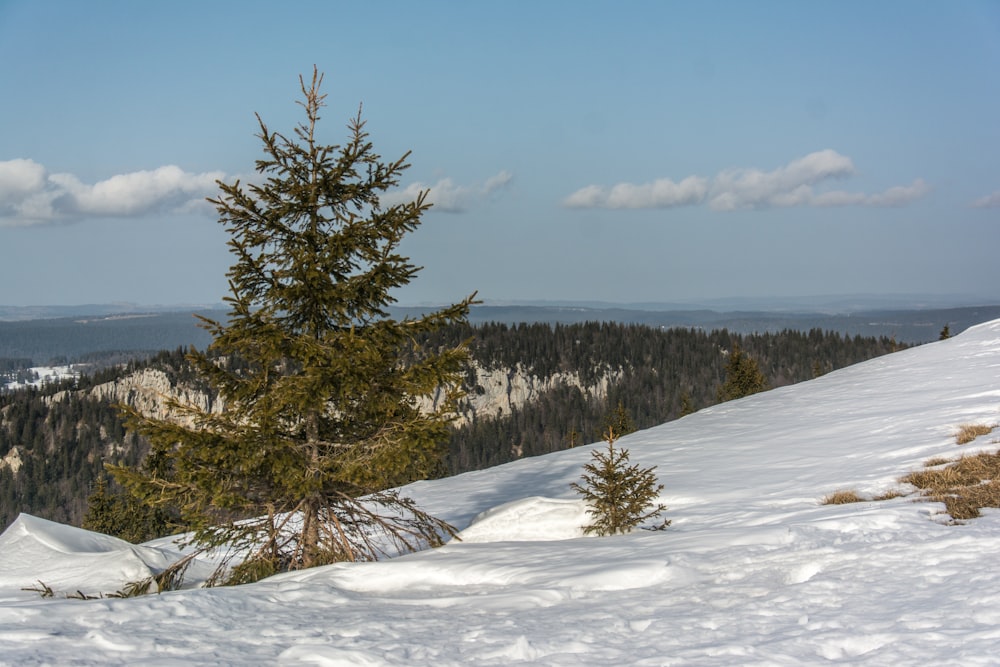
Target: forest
{"type": "Point", "coordinates": [664, 374]}
{"type": "Point", "coordinates": [54, 441]}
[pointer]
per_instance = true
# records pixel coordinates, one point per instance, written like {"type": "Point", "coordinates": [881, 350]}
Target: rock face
{"type": "Point", "coordinates": [149, 390]}
{"type": "Point", "coordinates": [502, 390]}
{"type": "Point", "coordinates": [13, 459]}
{"type": "Point", "coordinates": [496, 391]}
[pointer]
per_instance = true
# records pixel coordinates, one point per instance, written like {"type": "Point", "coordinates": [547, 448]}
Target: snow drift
{"type": "Point", "coordinates": [73, 561]}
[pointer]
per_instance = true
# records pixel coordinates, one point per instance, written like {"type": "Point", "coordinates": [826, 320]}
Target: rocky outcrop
{"type": "Point", "coordinates": [149, 391]}
{"type": "Point", "coordinates": [496, 391]}
{"type": "Point", "coordinates": [13, 459]}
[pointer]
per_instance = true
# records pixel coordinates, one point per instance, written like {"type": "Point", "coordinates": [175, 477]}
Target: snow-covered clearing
{"type": "Point", "coordinates": [45, 375]}
{"type": "Point", "coordinates": [754, 569]}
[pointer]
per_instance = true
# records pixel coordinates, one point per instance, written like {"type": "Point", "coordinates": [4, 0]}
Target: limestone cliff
{"type": "Point", "coordinates": [496, 391]}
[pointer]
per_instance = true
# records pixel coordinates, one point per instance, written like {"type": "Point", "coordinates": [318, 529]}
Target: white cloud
{"type": "Point", "coordinates": [590, 196]}
{"type": "Point", "coordinates": [19, 179]}
{"type": "Point", "coordinates": [747, 188]}
{"type": "Point", "coordinates": [989, 201]}
{"type": "Point", "coordinates": [661, 193]}
{"type": "Point", "coordinates": [29, 195]}
{"type": "Point", "coordinates": [786, 186]}
{"type": "Point", "coordinates": [138, 192]}
{"type": "Point", "coordinates": [448, 196]}
{"type": "Point", "coordinates": [497, 182]}
{"type": "Point", "coordinates": [899, 195]}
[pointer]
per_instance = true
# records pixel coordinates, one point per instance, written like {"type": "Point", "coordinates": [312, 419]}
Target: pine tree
{"type": "Point", "coordinates": [102, 510]}
{"type": "Point", "coordinates": [619, 494]}
{"type": "Point", "coordinates": [619, 421]}
{"type": "Point", "coordinates": [687, 406]}
{"type": "Point", "coordinates": [120, 515]}
{"type": "Point", "coordinates": [325, 396]}
{"type": "Point", "coordinates": [743, 377]}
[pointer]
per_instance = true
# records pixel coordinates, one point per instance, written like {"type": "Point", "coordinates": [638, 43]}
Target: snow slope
{"type": "Point", "coordinates": [753, 570]}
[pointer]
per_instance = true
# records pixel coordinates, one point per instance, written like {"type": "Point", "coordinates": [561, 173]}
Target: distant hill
{"type": "Point", "coordinates": [907, 326]}
{"type": "Point", "coordinates": [94, 310]}
{"type": "Point", "coordinates": [83, 335]}
{"type": "Point", "coordinates": [80, 338]}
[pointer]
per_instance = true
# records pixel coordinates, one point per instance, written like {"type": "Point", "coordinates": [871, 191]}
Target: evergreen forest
{"type": "Point", "coordinates": [56, 440]}
{"type": "Point", "coordinates": [664, 374]}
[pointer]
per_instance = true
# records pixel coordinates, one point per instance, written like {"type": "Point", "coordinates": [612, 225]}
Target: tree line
{"type": "Point", "coordinates": [664, 374]}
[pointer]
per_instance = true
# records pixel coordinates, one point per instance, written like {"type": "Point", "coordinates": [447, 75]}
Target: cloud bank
{"type": "Point", "coordinates": [448, 196]}
{"type": "Point", "coordinates": [30, 195]}
{"type": "Point", "coordinates": [733, 189]}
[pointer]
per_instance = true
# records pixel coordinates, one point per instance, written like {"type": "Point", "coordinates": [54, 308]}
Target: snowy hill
{"type": "Point", "coordinates": [754, 569]}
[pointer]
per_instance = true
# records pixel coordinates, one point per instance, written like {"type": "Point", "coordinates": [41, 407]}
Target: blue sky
{"type": "Point", "coordinates": [624, 152]}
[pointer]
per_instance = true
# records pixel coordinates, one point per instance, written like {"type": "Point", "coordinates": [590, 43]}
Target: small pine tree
{"type": "Point", "coordinates": [619, 494]}
{"type": "Point", "coordinates": [743, 377]}
{"type": "Point", "coordinates": [945, 333]}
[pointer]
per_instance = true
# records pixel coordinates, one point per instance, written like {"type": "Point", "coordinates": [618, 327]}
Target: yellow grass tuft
{"type": "Point", "coordinates": [842, 498]}
{"type": "Point", "coordinates": [936, 461]}
{"type": "Point", "coordinates": [969, 432]}
{"type": "Point", "coordinates": [965, 486]}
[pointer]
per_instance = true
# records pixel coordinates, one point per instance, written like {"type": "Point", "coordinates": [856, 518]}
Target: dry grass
{"type": "Point", "coordinates": [842, 498]}
{"type": "Point", "coordinates": [969, 432]}
{"type": "Point", "coordinates": [936, 461]}
{"type": "Point", "coordinates": [965, 486]}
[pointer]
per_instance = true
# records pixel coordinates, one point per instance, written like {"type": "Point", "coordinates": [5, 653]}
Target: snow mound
{"type": "Point", "coordinates": [529, 520]}
{"type": "Point", "coordinates": [72, 560]}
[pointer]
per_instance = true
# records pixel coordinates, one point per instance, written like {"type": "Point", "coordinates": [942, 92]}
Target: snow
{"type": "Point", "coordinates": [80, 562]}
{"type": "Point", "coordinates": [754, 570]}
{"type": "Point", "coordinates": [44, 375]}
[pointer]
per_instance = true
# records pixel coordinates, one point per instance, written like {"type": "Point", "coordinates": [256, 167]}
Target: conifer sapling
{"type": "Point", "coordinates": [620, 495]}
